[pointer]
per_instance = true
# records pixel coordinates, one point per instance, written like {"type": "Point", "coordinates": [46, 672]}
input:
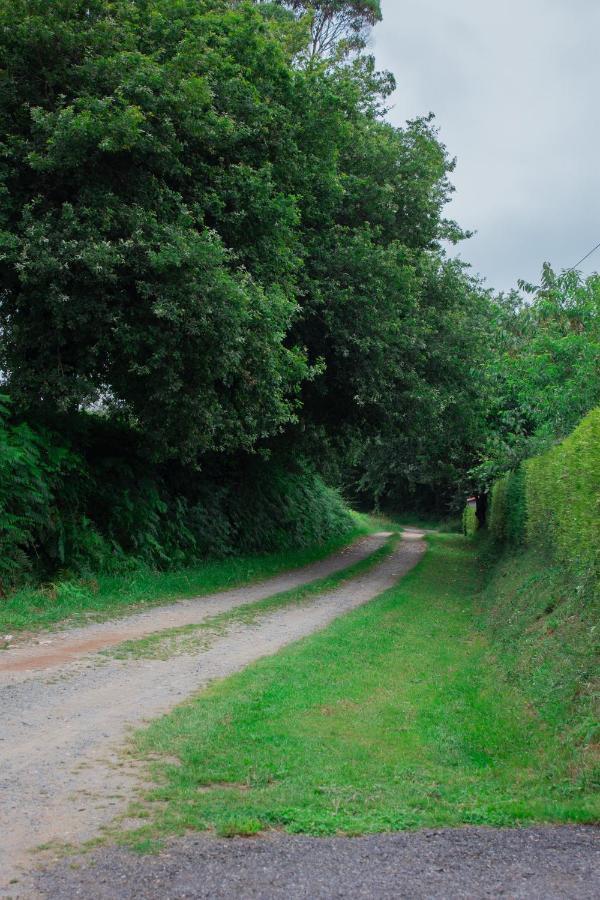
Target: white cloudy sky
{"type": "Point", "coordinates": [515, 88]}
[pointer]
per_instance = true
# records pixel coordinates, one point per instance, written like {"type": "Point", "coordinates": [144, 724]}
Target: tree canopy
{"type": "Point", "coordinates": [544, 375]}
{"type": "Point", "coordinates": [336, 28]}
{"type": "Point", "coordinates": [215, 249]}
{"type": "Point", "coordinates": [201, 238]}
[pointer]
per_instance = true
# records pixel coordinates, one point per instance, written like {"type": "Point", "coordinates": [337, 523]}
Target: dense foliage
{"type": "Point", "coordinates": [543, 590]}
{"type": "Point", "coordinates": [337, 27]}
{"type": "Point", "coordinates": [224, 272]}
{"type": "Point", "coordinates": [544, 376]}
{"type": "Point", "coordinates": [105, 509]}
{"type": "Point", "coordinates": [562, 491]}
{"type": "Point", "coordinates": [552, 502]}
{"type": "Point", "coordinates": [213, 246]}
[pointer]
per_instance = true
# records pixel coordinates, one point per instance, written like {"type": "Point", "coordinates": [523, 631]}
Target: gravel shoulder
{"type": "Point", "coordinates": [62, 770]}
{"type": "Point", "coordinates": [462, 864]}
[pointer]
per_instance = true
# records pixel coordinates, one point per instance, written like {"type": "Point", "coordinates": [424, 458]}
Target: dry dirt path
{"type": "Point", "coordinates": [62, 775]}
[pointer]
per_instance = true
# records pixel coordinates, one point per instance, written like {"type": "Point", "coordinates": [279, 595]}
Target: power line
{"type": "Point", "coordinates": [587, 256]}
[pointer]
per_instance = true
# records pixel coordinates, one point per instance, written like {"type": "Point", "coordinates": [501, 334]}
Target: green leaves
{"type": "Point", "coordinates": [151, 250]}
{"type": "Point", "coordinates": [543, 376]}
{"type": "Point", "coordinates": [71, 135]}
{"type": "Point", "coordinates": [219, 247]}
{"type": "Point", "coordinates": [552, 502]}
{"type": "Point", "coordinates": [31, 470]}
{"type": "Point", "coordinates": [337, 27]}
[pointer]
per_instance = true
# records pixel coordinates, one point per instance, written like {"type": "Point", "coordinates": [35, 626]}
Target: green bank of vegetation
{"type": "Point", "coordinates": [543, 594]}
{"type": "Point", "coordinates": [399, 715]}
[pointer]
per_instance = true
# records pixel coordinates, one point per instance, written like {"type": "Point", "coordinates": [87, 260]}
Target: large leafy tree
{"type": "Point", "coordinates": [398, 329]}
{"type": "Point", "coordinates": [544, 374]}
{"type": "Point", "coordinates": [215, 245]}
{"type": "Point", "coordinates": [147, 252]}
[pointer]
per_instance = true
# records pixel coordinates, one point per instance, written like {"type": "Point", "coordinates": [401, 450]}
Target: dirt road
{"type": "Point", "coordinates": [66, 711]}
{"type": "Point", "coordinates": [54, 650]}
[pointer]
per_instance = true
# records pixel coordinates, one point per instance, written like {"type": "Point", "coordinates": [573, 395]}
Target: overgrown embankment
{"type": "Point", "coordinates": [96, 505]}
{"type": "Point", "coordinates": [542, 596]}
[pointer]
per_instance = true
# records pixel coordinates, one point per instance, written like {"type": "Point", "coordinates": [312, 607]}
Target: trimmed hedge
{"type": "Point", "coordinates": [470, 522]}
{"type": "Point", "coordinates": [563, 499]}
{"type": "Point", "coordinates": [508, 514]}
{"type": "Point", "coordinates": [553, 501]}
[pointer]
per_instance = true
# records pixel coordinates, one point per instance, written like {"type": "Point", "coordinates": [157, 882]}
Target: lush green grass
{"type": "Point", "coordinates": [107, 596]}
{"type": "Point", "coordinates": [398, 715]}
{"type": "Point", "coordinates": [546, 625]}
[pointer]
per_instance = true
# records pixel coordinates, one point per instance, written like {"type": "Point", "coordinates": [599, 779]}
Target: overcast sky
{"type": "Point", "coordinates": [515, 87]}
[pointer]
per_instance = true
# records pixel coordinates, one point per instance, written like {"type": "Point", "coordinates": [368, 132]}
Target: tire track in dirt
{"type": "Point", "coordinates": [54, 650]}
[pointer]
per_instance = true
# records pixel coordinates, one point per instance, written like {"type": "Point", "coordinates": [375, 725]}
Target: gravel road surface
{"type": "Point", "coordinates": [529, 864]}
{"type": "Point", "coordinates": [62, 773]}
{"type": "Point", "coordinates": [53, 649]}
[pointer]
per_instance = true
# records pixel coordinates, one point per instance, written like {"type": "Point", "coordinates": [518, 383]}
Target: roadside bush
{"type": "Point", "coordinates": [542, 598]}
{"type": "Point", "coordinates": [39, 522]}
{"type": "Point", "coordinates": [82, 512]}
{"type": "Point", "coordinates": [278, 510]}
{"type": "Point", "coordinates": [497, 513]}
{"type": "Point", "coordinates": [552, 502]}
{"type": "Point", "coordinates": [507, 515]}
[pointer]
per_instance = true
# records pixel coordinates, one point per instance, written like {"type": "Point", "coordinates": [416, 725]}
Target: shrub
{"type": "Point", "coordinates": [33, 526]}
{"type": "Point", "coordinates": [88, 512]}
{"type": "Point", "coordinates": [508, 508]}
{"type": "Point", "coordinates": [516, 508]}
{"type": "Point", "coordinates": [497, 513]}
{"type": "Point", "coordinates": [553, 501]}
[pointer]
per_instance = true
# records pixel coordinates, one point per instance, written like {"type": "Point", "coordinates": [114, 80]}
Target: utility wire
{"type": "Point", "coordinates": [587, 256]}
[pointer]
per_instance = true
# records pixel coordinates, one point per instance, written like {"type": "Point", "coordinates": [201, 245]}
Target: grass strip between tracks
{"type": "Point", "coordinates": [70, 602]}
{"type": "Point", "coordinates": [191, 638]}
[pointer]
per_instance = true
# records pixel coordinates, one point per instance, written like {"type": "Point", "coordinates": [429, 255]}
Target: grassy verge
{"type": "Point", "coordinates": [189, 638]}
{"type": "Point", "coordinates": [398, 715]}
{"type": "Point", "coordinates": [107, 596]}
{"type": "Point", "coordinates": [546, 625]}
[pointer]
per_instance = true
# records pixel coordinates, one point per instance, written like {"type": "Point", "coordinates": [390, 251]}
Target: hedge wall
{"type": "Point", "coordinates": [470, 521]}
{"type": "Point", "coordinates": [508, 512]}
{"type": "Point", "coordinates": [563, 498]}
{"type": "Point", "coordinates": [553, 501]}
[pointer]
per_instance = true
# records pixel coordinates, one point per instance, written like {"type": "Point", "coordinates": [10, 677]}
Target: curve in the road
{"type": "Point", "coordinates": [54, 650]}
{"type": "Point", "coordinates": [62, 774]}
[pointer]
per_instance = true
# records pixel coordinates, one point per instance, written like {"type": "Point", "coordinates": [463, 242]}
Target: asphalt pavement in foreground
{"type": "Point", "coordinates": [561, 863]}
